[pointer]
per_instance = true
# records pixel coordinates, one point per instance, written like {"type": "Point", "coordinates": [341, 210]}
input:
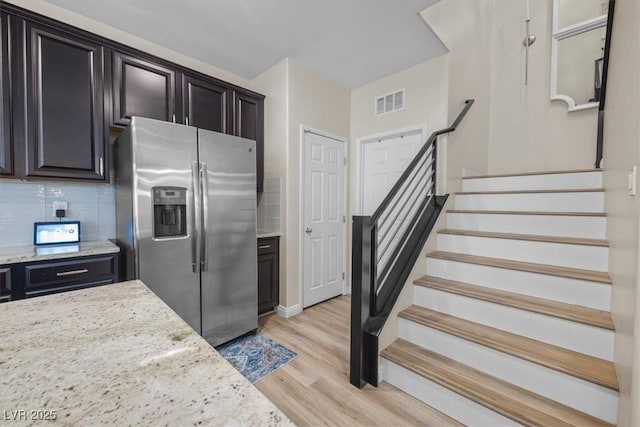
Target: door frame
{"type": "Point", "coordinates": [417, 128]}
{"type": "Point", "coordinates": [346, 286]}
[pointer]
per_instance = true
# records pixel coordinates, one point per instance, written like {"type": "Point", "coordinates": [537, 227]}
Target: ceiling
{"type": "Point", "coordinates": [351, 42]}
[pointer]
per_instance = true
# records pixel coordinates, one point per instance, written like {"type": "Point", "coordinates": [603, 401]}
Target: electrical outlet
{"type": "Point", "coordinates": [632, 181]}
{"type": "Point", "coordinates": [60, 205]}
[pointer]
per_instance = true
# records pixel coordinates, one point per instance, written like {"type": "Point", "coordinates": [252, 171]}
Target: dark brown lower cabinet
{"type": "Point", "coordinates": [33, 279]}
{"type": "Point", "coordinates": [268, 274]}
{"type": "Point", "coordinates": [5, 284]}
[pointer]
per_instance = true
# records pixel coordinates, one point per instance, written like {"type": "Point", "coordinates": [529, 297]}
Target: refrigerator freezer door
{"type": "Point", "coordinates": [229, 277]}
{"type": "Point", "coordinates": [163, 155]}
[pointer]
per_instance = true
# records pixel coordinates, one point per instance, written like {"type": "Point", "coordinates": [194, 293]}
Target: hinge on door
{"type": "Point", "coordinates": [343, 275]}
{"type": "Point", "coordinates": [345, 161]}
{"type": "Point", "coordinates": [344, 218]}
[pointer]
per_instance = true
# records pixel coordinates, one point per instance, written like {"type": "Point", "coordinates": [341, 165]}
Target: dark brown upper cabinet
{"type": "Point", "coordinates": [142, 88]}
{"type": "Point", "coordinates": [248, 112]}
{"type": "Point", "coordinates": [62, 88]}
{"type": "Point", "coordinates": [206, 104]}
{"type": "Point", "coordinates": [64, 120]}
{"type": "Point", "coordinates": [6, 137]}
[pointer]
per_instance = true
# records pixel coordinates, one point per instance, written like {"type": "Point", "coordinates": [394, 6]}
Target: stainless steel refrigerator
{"type": "Point", "coordinates": [186, 222]}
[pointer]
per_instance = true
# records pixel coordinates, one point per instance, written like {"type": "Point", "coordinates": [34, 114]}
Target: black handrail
{"type": "Point", "coordinates": [387, 200]}
{"type": "Point", "coordinates": [373, 295]}
{"type": "Point", "coordinates": [603, 86]}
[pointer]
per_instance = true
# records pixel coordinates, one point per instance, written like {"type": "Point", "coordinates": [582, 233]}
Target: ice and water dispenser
{"type": "Point", "coordinates": [169, 212]}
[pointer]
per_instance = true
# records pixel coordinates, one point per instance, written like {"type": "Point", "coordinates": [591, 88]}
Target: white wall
{"type": "Point", "coordinates": [321, 104]}
{"type": "Point", "coordinates": [426, 104]}
{"type": "Point", "coordinates": [621, 153]}
{"type": "Point", "coordinates": [528, 131]}
{"type": "Point", "coordinates": [296, 96]}
{"type": "Point", "coordinates": [274, 84]}
{"type": "Point", "coordinates": [456, 23]}
{"type": "Point", "coordinates": [512, 127]}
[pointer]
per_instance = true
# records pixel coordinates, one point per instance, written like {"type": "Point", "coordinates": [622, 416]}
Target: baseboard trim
{"type": "Point", "coordinates": [287, 312]}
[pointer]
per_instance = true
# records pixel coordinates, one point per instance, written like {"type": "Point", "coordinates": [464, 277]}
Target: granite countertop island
{"type": "Point", "coordinates": [117, 355]}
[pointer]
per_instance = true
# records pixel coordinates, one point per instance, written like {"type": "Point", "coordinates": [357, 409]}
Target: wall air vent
{"type": "Point", "coordinates": [390, 102]}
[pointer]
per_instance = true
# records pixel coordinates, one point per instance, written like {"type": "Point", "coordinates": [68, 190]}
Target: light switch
{"type": "Point", "coordinates": [632, 181]}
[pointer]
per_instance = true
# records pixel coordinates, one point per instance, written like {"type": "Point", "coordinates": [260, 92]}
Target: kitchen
{"type": "Point", "coordinates": [93, 202]}
{"type": "Point", "coordinates": [100, 323]}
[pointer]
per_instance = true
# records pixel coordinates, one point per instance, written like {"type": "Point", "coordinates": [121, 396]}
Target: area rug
{"type": "Point", "coordinates": [255, 355]}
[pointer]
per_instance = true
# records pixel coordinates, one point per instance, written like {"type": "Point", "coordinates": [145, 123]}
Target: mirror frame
{"type": "Point", "coordinates": [558, 34]}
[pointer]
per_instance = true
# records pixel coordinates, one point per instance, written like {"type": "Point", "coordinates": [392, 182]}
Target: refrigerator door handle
{"type": "Point", "coordinates": [195, 208]}
{"type": "Point", "coordinates": [204, 182]}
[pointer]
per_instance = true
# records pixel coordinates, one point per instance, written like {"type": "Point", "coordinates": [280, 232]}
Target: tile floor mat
{"type": "Point", "coordinates": [255, 355]}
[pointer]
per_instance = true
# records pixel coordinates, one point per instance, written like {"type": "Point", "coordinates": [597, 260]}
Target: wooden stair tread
{"type": "Point", "coordinates": [542, 213]}
{"type": "Point", "coordinates": [507, 399]}
{"type": "Point", "coordinates": [553, 270]}
{"type": "Point", "coordinates": [508, 175]}
{"type": "Point", "coordinates": [575, 313]}
{"type": "Point", "coordinates": [570, 190]}
{"type": "Point", "coordinates": [529, 237]}
{"type": "Point", "coordinates": [570, 362]}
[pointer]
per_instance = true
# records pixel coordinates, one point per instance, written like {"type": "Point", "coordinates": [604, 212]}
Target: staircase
{"type": "Point", "coordinates": [511, 324]}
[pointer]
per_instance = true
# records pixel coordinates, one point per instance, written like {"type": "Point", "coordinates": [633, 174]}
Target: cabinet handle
{"type": "Point", "coordinates": [101, 166]}
{"type": "Point", "coordinates": [72, 272]}
{"type": "Point", "coordinates": [173, 118]}
{"type": "Point", "coordinates": [264, 246]}
{"type": "Point", "coordinates": [187, 120]}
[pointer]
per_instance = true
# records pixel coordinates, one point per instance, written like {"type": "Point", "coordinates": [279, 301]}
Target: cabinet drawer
{"type": "Point", "coordinates": [267, 245]}
{"type": "Point", "coordinates": [69, 272]}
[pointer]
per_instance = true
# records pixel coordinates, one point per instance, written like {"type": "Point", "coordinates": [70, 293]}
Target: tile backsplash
{"type": "Point", "coordinates": [269, 205]}
{"type": "Point", "coordinates": [23, 203]}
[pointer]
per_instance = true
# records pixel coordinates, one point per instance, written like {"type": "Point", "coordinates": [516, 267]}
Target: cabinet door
{"type": "Point", "coordinates": [249, 123]}
{"type": "Point", "coordinates": [268, 274]}
{"type": "Point", "coordinates": [64, 117]}
{"type": "Point", "coordinates": [6, 137]}
{"type": "Point", "coordinates": [5, 284]}
{"type": "Point", "coordinates": [142, 88]}
{"type": "Point", "coordinates": [206, 104]}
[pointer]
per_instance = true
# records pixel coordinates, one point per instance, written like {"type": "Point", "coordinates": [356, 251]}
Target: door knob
{"type": "Point", "coordinates": [308, 230]}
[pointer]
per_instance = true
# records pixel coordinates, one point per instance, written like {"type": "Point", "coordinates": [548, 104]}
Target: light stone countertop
{"type": "Point", "coordinates": [118, 355]}
{"type": "Point", "coordinates": [268, 233]}
{"type": "Point", "coordinates": [30, 253]}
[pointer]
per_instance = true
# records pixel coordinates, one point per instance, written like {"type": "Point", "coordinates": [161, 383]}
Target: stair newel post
{"type": "Point", "coordinates": [362, 282]}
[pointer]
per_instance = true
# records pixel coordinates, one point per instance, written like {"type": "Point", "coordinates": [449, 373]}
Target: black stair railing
{"type": "Point", "coordinates": [603, 84]}
{"type": "Point", "coordinates": [385, 247]}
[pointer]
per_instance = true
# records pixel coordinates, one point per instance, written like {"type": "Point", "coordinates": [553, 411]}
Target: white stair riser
{"type": "Point", "coordinates": [564, 181]}
{"type": "Point", "coordinates": [582, 395]}
{"type": "Point", "coordinates": [536, 202]}
{"type": "Point", "coordinates": [575, 336]}
{"type": "Point", "coordinates": [591, 227]}
{"type": "Point", "coordinates": [560, 254]}
{"type": "Point", "coordinates": [572, 291]}
{"type": "Point", "coordinates": [446, 401]}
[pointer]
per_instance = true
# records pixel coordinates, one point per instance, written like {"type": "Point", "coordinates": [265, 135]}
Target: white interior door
{"type": "Point", "coordinates": [323, 218]}
{"type": "Point", "coordinates": [383, 161]}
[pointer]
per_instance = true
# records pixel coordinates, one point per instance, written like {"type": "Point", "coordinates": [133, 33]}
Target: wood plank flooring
{"type": "Point", "coordinates": [581, 365]}
{"type": "Point", "coordinates": [528, 237]}
{"type": "Point", "coordinates": [553, 270]}
{"type": "Point", "coordinates": [548, 213]}
{"type": "Point", "coordinates": [532, 173]}
{"type": "Point", "coordinates": [314, 388]}
{"type": "Point", "coordinates": [575, 313]}
{"type": "Point", "coordinates": [513, 402]}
